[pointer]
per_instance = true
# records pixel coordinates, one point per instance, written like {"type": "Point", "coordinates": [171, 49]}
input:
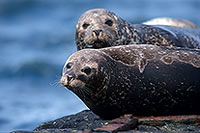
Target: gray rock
{"type": "Point", "coordinates": [87, 122]}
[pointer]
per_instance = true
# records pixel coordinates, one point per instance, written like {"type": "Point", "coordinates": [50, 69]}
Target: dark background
{"type": "Point", "coordinates": [36, 38]}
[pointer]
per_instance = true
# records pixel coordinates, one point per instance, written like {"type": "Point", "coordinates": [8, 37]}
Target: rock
{"type": "Point", "coordinates": [124, 123]}
{"type": "Point", "coordinates": [81, 121]}
{"type": "Point", "coordinates": [87, 122]}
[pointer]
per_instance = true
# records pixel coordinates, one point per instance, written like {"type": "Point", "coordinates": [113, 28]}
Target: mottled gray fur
{"type": "Point", "coordinates": [122, 32]}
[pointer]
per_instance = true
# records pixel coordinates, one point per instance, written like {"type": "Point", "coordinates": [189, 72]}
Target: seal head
{"type": "Point", "coordinates": [98, 28]}
{"type": "Point", "coordinates": [81, 73]}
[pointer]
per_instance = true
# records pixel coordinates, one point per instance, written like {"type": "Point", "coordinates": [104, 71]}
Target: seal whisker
{"type": "Point", "coordinates": [56, 83]}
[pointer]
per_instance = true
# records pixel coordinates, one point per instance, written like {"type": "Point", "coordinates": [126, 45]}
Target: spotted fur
{"type": "Point", "coordinates": [122, 32]}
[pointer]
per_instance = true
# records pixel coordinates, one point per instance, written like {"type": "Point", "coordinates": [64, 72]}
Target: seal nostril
{"type": "Point", "coordinates": [69, 77]}
{"type": "Point", "coordinates": [97, 32]}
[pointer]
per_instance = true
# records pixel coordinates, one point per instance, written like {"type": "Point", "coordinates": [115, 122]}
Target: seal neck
{"type": "Point", "coordinates": [127, 33]}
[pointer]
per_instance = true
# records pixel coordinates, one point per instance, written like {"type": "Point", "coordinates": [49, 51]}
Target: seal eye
{"type": "Point", "coordinates": [86, 70]}
{"type": "Point", "coordinates": [69, 65]}
{"type": "Point", "coordinates": [109, 22]}
{"type": "Point", "coordinates": [85, 25]}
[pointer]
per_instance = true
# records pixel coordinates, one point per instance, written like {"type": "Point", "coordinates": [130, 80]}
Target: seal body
{"type": "Point", "coordinates": [135, 79]}
{"type": "Point", "coordinates": [99, 28]}
{"type": "Point", "coordinates": [171, 22]}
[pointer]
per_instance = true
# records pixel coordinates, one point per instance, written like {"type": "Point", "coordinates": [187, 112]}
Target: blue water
{"type": "Point", "coordinates": [36, 38]}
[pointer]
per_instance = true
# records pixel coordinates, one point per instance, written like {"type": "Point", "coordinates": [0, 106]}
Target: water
{"type": "Point", "coordinates": [36, 38]}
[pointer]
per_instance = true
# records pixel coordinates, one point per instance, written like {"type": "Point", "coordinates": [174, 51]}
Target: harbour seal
{"type": "Point", "coordinates": [171, 22]}
{"type": "Point", "coordinates": [135, 79]}
{"type": "Point", "coordinates": [99, 28]}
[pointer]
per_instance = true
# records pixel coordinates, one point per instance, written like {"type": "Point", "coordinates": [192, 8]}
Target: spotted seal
{"type": "Point", "coordinates": [99, 28]}
{"type": "Point", "coordinates": [171, 22]}
{"type": "Point", "coordinates": [137, 79]}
